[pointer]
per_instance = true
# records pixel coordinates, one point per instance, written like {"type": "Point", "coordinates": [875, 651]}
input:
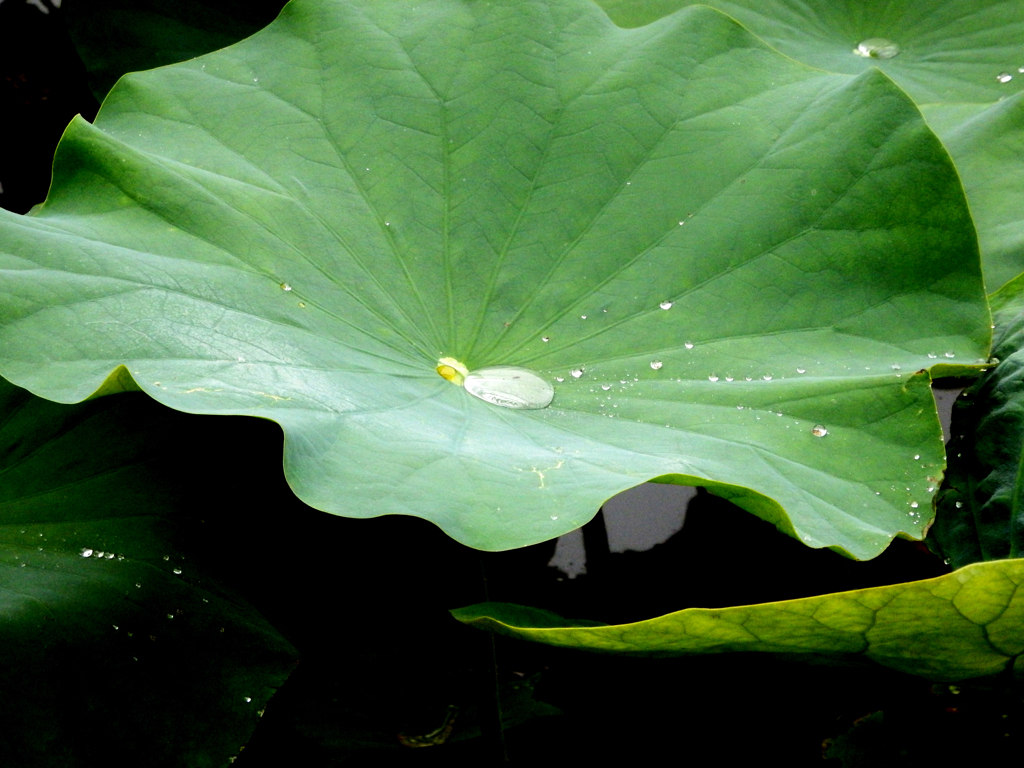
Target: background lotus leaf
{"type": "Point", "coordinates": [961, 62]}
{"type": "Point", "coordinates": [112, 633]}
{"type": "Point", "coordinates": [959, 626]}
{"type": "Point", "coordinates": [743, 259]}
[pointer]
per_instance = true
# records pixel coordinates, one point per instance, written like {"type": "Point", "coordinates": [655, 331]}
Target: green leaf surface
{"type": "Point", "coordinates": [963, 625]}
{"type": "Point", "coordinates": [948, 52]}
{"type": "Point", "coordinates": [981, 502]}
{"type": "Point", "coordinates": [961, 62]}
{"type": "Point", "coordinates": [114, 37]}
{"type": "Point", "coordinates": [987, 144]}
{"type": "Point", "coordinates": [112, 637]}
{"type": "Point", "coordinates": [745, 261]}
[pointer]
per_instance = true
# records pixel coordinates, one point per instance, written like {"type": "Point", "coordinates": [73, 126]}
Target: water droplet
{"type": "Point", "coordinates": [931, 356]}
{"type": "Point", "coordinates": [387, 223]}
{"type": "Point", "coordinates": [167, 557]}
{"type": "Point", "coordinates": [917, 456]}
{"type": "Point", "coordinates": [767, 377]}
{"type": "Point", "coordinates": [739, 407]}
{"type": "Point", "coordinates": [177, 571]}
{"type": "Point", "coordinates": [99, 554]}
{"type": "Point", "coordinates": [688, 345]}
{"type": "Point", "coordinates": [712, 377]}
{"type": "Point", "coordinates": [949, 354]}
{"type": "Point", "coordinates": [959, 505]}
{"type": "Point", "coordinates": [801, 370]}
{"type": "Point", "coordinates": [577, 372]}
{"type": "Point", "coordinates": [583, 317]}
{"type": "Point", "coordinates": [510, 387]}
{"type": "Point", "coordinates": [606, 387]}
{"type": "Point", "coordinates": [728, 378]}
{"type": "Point", "coordinates": [877, 48]}
{"type": "Point", "coordinates": [559, 378]}
{"type": "Point", "coordinates": [656, 364]}
{"type": "Point", "coordinates": [554, 517]}
{"type": "Point", "coordinates": [302, 305]}
{"type": "Point", "coordinates": [666, 305]}
{"type": "Point", "coordinates": [285, 287]}
{"type": "Point", "coordinates": [545, 339]}
{"type": "Point", "coordinates": [109, 556]}
{"type": "Point", "coordinates": [170, 615]}
{"type": "Point", "coordinates": [138, 585]}
{"type": "Point", "coordinates": [931, 488]}
{"type": "Point", "coordinates": [913, 505]}
{"type": "Point", "coordinates": [86, 553]}
{"type": "Point", "coordinates": [247, 699]}
{"type": "Point", "coordinates": [1004, 77]}
{"type": "Point", "coordinates": [1020, 69]}
{"type": "Point", "coordinates": [895, 366]}
{"type": "Point", "coordinates": [819, 431]}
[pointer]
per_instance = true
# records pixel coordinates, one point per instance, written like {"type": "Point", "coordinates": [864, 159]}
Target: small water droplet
{"type": "Point", "coordinates": [577, 372]}
{"type": "Point", "coordinates": [931, 356]}
{"type": "Point", "coordinates": [554, 517]}
{"type": "Point", "coordinates": [559, 378]}
{"type": "Point", "coordinates": [285, 287]}
{"type": "Point", "coordinates": [767, 377]}
{"type": "Point", "coordinates": [666, 305]}
{"type": "Point", "coordinates": [712, 377]}
{"type": "Point", "coordinates": [167, 557]}
{"type": "Point", "coordinates": [1004, 77]}
{"type": "Point", "coordinates": [510, 387]}
{"type": "Point", "coordinates": [545, 339]}
{"type": "Point", "coordinates": [959, 505]}
{"type": "Point", "coordinates": [913, 505]}
{"type": "Point", "coordinates": [739, 407]}
{"type": "Point", "coordinates": [583, 317]}
{"type": "Point", "coordinates": [170, 615]}
{"type": "Point", "coordinates": [895, 366]}
{"type": "Point", "coordinates": [728, 378]}
{"type": "Point", "coordinates": [302, 305]}
{"type": "Point", "coordinates": [656, 364]}
{"type": "Point", "coordinates": [931, 488]}
{"type": "Point", "coordinates": [917, 456]}
{"type": "Point", "coordinates": [138, 585]}
{"type": "Point", "coordinates": [688, 345]}
{"type": "Point", "coordinates": [99, 554]}
{"type": "Point", "coordinates": [109, 556]}
{"type": "Point", "coordinates": [801, 370]}
{"type": "Point", "coordinates": [606, 387]}
{"type": "Point", "coordinates": [819, 430]}
{"type": "Point", "coordinates": [1020, 69]}
{"type": "Point", "coordinates": [949, 354]}
{"type": "Point", "coordinates": [86, 553]}
{"type": "Point", "coordinates": [247, 699]}
{"type": "Point", "coordinates": [387, 223]}
{"type": "Point", "coordinates": [877, 48]}
{"type": "Point", "coordinates": [177, 571]}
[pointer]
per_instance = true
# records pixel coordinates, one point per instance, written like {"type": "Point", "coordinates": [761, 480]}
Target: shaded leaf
{"type": "Point", "coordinates": [980, 505]}
{"type": "Point", "coordinates": [966, 624]}
{"type": "Point", "coordinates": [114, 642]}
{"type": "Point", "coordinates": [742, 259]}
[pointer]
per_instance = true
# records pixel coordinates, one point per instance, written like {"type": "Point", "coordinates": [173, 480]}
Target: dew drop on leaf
{"type": "Point", "coordinates": [1004, 77]}
{"type": "Point", "coordinates": [285, 287]}
{"type": "Point", "coordinates": [688, 345]}
{"type": "Point", "coordinates": [819, 430]}
{"type": "Point", "coordinates": [510, 387]}
{"type": "Point", "coordinates": [877, 48]}
{"type": "Point", "coordinates": [712, 377]}
{"type": "Point", "coordinates": [656, 364]}
{"type": "Point", "coordinates": [666, 305]}
{"type": "Point", "coordinates": [86, 553]}
{"type": "Point", "coordinates": [577, 372]}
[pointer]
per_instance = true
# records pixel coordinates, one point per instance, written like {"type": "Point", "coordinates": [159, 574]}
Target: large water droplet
{"type": "Point", "coordinates": [877, 48]}
{"type": "Point", "coordinates": [666, 305]}
{"type": "Point", "coordinates": [656, 364]}
{"type": "Point", "coordinates": [1004, 77]}
{"type": "Point", "coordinates": [819, 430]}
{"type": "Point", "coordinates": [510, 387]}
{"type": "Point", "coordinates": [577, 372]}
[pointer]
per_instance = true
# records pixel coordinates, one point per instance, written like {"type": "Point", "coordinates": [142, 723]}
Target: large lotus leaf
{"type": "Point", "coordinates": [987, 145]}
{"type": "Point", "coordinates": [966, 624]}
{"type": "Point", "coordinates": [112, 636]}
{"type": "Point", "coordinates": [945, 52]}
{"type": "Point", "coordinates": [981, 502]}
{"type": "Point", "coordinates": [118, 36]}
{"type": "Point", "coordinates": [300, 226]}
